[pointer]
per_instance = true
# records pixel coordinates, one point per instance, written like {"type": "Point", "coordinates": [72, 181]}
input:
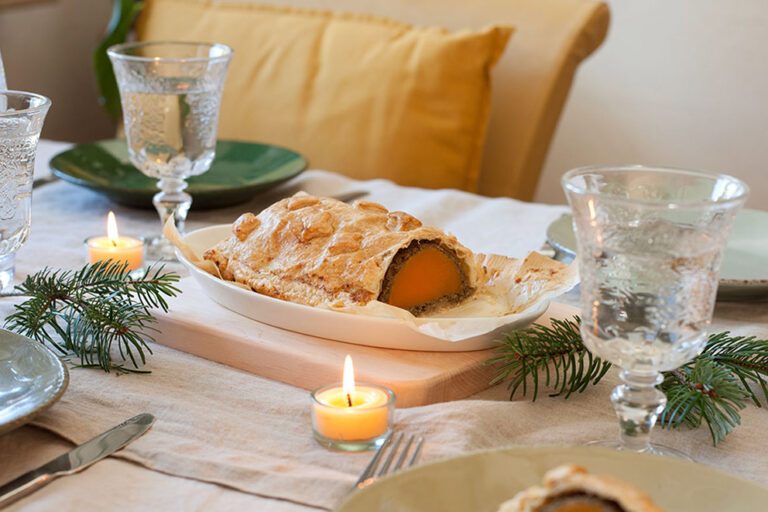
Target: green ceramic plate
{"type": "Point", "coordinates": [240, 170]}
{"type": "Point", "coordinates": [744, 272]}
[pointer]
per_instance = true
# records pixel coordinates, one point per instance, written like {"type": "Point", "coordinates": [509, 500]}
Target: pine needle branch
{"type": "Point", "coordinates": [746, 357]}
{"type": "Point", "coordinates": [99, 314]}
{"type": "Point", "coordinates": [557, 351]}
{"type": "Point", "coordinates": [711, 389]}
{"type": "Point", "coordinates": [703, 390]}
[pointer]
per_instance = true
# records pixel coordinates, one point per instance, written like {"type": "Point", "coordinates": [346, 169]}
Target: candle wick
{"type": "Point", "coordinates": [114, 242]}
{"type": "Point", "coordinates": [349, 399]}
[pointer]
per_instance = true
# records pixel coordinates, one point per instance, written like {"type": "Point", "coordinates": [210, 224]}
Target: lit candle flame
{"type": "Point", "coordinates": [348, 382]}
{"type": "Point", "coordinates": [112, 233]}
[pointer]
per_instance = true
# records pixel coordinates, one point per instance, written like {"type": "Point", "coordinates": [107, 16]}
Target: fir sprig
{"type": "Point", "coordinates": [711, 389]}
{"type": "Point", "coordinates": [99, 314]}
{"type": "Point", "coordinates": [703, 391]}
{"type": "Point", "coordinates": [745, 357]}
{"type": "Point", "coordinates": [557, 351]}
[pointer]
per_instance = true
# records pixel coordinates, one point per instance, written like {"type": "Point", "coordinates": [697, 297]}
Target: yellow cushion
{"type": "Point", "coordinates": [365, 96]}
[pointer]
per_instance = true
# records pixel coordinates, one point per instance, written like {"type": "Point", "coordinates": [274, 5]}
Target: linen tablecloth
{"type": "Point", "coordinates": [225, 439]}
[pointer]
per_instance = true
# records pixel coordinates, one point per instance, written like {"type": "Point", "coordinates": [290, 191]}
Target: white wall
{"type": "Point", "coordinates": [46, 47]}
{"type": "Point", "coordinates": [677, 82]}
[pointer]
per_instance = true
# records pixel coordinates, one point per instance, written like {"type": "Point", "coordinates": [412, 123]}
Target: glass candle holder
{"type": "Point", "coordinates": [125, 249]}
{"type": "Point", "coordinates": [357, 421]}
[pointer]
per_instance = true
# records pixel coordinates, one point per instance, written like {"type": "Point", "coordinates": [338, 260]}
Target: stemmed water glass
{"type": "Point", "coordinates": [170, 93]}
{"type": "Point", "coordinates": [21, 119]}
{"type": "Point", "coordinates": [3, 85]}
{"type": "Point", "coordinates": [650, 241]}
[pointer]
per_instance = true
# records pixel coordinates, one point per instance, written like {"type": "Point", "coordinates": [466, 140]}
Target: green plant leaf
{"type": "Point", "coordinates": [124, 13]}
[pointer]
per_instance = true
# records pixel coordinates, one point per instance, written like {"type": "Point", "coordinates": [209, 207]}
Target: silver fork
{"type": "Point", "coordinates": [390, 450]}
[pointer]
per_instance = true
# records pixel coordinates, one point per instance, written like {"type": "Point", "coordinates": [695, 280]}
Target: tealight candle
{"type": "Point", "coordinates": [123, 249]}
{"type": "Point", "coordinates": [352, 417]}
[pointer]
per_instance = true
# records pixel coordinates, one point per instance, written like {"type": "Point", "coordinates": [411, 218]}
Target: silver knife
{"type": "Point", "coordinates": [76, 459]}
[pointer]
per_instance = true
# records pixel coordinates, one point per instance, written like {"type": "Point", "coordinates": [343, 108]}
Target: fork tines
{"type": "Point", "coordinates": [387, 452]}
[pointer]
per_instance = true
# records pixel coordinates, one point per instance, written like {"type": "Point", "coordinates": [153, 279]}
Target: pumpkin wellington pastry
{"type": "Point", "coordinates": [571, 488]}
{"type": "Point", "coordinates": [320, 251]}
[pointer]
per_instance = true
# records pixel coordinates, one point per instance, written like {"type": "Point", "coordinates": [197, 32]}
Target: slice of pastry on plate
{"type": "Point", "coordinates": [320, 251]}
{"type": "Point", "coordinates": [571, 488]}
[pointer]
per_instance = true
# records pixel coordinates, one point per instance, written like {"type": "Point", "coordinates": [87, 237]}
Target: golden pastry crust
{"type": "Point", "coordinates": [575, 480]}
{"type": "Point", "coordinates": [320, 251]}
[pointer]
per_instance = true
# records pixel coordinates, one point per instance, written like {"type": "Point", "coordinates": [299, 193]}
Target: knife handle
{"type": "Point", "coordinates": [20, 487]}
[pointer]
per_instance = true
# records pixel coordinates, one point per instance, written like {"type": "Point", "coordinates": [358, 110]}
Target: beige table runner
{"type": "Point", "coordinates": [223, 426]}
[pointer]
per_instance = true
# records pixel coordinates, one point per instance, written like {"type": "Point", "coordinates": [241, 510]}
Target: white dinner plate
{"type": "Point", "coordinates": [334, 325]}
{"type": "Point", "coordinates": [744, 271]}
{"type": "Point", "coordinates": [480, 482]}
{"type": "Point", "coordinates": [32, 379]}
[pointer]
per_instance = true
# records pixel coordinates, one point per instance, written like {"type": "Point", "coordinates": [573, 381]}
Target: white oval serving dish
{"type": "Point", "coordinates": [358, 329]}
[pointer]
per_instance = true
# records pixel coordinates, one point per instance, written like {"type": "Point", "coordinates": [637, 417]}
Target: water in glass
{"type": "Point", "coordinates": [172, 134]}
{"type": "Point", "coordinates": [651, 284]}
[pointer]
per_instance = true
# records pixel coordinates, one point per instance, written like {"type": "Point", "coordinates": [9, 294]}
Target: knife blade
{"type": "Point", "coordinates": [77, 459]}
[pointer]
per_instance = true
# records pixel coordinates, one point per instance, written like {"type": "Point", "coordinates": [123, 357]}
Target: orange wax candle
{"type": "Point", "coordinates": [352, 417]}
{"type": "Point", "coordinates": [114, 247]}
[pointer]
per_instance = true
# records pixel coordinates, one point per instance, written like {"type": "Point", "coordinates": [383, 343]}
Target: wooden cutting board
{"type": "Point", "coordinates": [199, 326]}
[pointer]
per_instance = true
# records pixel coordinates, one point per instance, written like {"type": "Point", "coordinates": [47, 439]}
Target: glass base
{"type": "Point", "coordinates": [159, 249]}
{"type": "Point", "coordinates": [653, 449]}
{"type": "Point", "coordinates": [352, 446]}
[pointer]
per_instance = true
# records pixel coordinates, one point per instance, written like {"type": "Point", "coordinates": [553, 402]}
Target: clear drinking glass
{"type": "Point", "coordinates": [3, 84]}
{"type": "Point", "coordinates": [21, 120]}
{"type": "Point", "coordinates": [170, 92]}
{"type": "Point", "coordinates": [649, 243]}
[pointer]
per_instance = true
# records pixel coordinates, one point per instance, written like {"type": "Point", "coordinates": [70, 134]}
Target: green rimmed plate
{"type": "Point", "coordinates": [239, 171]}
{"type": "Point", "coordinates": [744, 271]}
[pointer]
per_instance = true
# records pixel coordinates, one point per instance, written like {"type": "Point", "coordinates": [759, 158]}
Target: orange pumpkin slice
{"type": "Point", "coordinates": [423, 276]}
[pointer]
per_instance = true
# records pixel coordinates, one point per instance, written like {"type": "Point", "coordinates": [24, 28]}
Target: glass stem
{"type": "Point", "coordinates": [172, 201]}
{"type": "Point", "coordinates": [638, 404]}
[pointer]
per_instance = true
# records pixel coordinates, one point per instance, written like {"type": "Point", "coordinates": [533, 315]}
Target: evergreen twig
{"type": "Point", "coordinates": [711, 389]}
{"type": "Point", "coordinates": [557, 351]}
{"type": "Point", "coordinates": [98, 314]}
